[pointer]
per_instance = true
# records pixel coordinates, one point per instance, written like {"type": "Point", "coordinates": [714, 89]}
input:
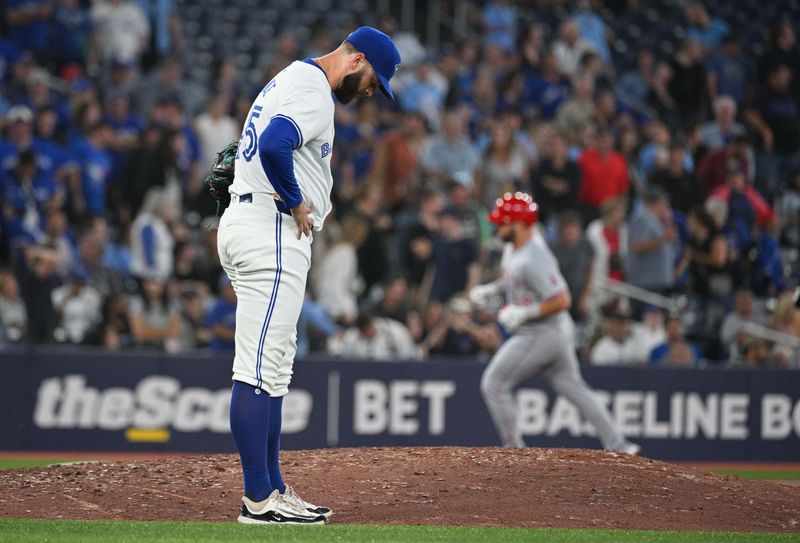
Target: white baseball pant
{"type": "Point", "coordinates": [267, 266]}
{"type": "Point", "coordinates": [553, 353]}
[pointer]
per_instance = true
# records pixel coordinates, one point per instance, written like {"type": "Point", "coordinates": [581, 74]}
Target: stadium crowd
{"type": "Point", "coordinates": [675, 170]}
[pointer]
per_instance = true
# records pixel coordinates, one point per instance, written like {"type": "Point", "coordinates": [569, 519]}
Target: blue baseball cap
{"type": "Point", "coordinates": [381, 53]}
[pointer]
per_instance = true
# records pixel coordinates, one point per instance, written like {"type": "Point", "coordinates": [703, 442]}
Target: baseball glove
{"type": "Point", "coordinates": [221, 176]}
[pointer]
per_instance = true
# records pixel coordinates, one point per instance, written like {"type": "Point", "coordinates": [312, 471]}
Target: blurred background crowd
{"type": "Point", "coordinates": [661, 140]}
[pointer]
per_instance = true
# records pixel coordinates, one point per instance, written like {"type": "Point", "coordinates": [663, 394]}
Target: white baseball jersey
{"type": "Point", "coordinates": [544, 346]}
{"type": "Point", "coordinates": [301, 94]}
{"type": "Point", "coordinates": [532, 275]}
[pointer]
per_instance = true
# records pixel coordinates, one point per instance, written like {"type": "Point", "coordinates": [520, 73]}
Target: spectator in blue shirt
{"type": "Point", "coordinates": [500, 22]}
{"type": "Point", "coordinates": [593, 30]}
{"type": "Point", "coordinates": [709, 31]}
{"type": "Point", "coordinates": [221, 317]}
{"type": "Point", "coordinates": [28, 23]}
{"type": "Point", "coordinates": [547, 89]}
{"type": "Point", "coordinates": [95, 161]}
{"type": "Point", "coordinates": [70, 31]}
{"type": "Point", "coordinates": [728, 72]}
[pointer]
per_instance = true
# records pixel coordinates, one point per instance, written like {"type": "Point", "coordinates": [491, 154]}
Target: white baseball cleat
{"type": "Point", "coordinates": [627, 447]}
{"type": "Point", "coordinates": [275, 510]}
{"type": "Point", "coordinates": [290, 497]}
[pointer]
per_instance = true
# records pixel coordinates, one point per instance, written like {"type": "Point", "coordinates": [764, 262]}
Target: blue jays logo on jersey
{"type": "Point", "coordinates": [326, 149]}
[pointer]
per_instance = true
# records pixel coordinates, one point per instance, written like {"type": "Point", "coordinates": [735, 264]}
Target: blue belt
{"type": "Point", "coordinates": [248, 198]}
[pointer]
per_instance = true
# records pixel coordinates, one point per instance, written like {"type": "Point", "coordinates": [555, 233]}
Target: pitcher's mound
{"type": "Point", "coordinates": [451, 485]}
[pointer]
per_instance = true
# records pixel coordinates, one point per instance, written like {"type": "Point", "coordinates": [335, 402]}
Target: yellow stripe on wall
{"type": "Point", "coordinates": [147, 435]}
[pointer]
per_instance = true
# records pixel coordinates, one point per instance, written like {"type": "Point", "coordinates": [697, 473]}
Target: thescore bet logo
{"type": "Point", "coordinates": [157, 401]}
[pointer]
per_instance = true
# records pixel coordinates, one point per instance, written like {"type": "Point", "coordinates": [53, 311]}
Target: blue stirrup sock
{"type": "Point", "coordinates": [250, 425]}
{"type": "Point", "coordinates": [274, 444]}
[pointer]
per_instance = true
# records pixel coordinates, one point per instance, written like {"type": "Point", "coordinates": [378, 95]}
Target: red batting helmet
{"type": "Point", "coordinates": [514, 207]}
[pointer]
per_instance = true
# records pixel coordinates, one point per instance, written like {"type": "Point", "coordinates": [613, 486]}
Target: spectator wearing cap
{"type": "Point", "coordinates": [194, 332]}
{"type": "Point", "coordinates": [19, 135]}
{"type": "Point", "coordinates": [681, 186]}
{"type": "Point", "coordinates": [221, 317]}
{"type": "Point", "coordinates": [618, 346]}
{"type": "Point", "coordinates": [676, 350]}
{"type": "Point", "coordinates": [743, 312]}
{"type": "Point", "coordinates": [575, 257]}
{"type": "Point", "coordinates": [604, 174]}
{"type": "Point", "coordinates": [652, 243]}
{"type": "Point", "coordinates": [77, 306]}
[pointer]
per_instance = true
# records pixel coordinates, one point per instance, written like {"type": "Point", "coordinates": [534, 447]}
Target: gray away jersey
{"type": "Point", "coordinates": [532, 275]}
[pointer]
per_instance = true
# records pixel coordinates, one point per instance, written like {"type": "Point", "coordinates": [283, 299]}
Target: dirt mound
{"type": "Point", "coordinates": [458, 486]}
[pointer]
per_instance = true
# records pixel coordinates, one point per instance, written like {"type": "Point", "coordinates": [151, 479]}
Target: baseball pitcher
{"type": "Point", "coordinates": [536, 313]}
{"type": "Point", "coordinates": [279, 195]}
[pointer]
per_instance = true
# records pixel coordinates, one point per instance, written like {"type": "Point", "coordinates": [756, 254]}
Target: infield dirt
{"type": "Point", "coordinates": [564, 488]}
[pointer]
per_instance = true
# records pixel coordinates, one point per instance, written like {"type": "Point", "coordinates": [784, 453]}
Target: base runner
{"type": "Point", "coordinates": [537, 315]}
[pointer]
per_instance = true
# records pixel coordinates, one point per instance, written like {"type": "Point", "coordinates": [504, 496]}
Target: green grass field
{"type": "Point", "coordinates": [91, 531]}
{"type": "Point", "coordinates": [18, 530]}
